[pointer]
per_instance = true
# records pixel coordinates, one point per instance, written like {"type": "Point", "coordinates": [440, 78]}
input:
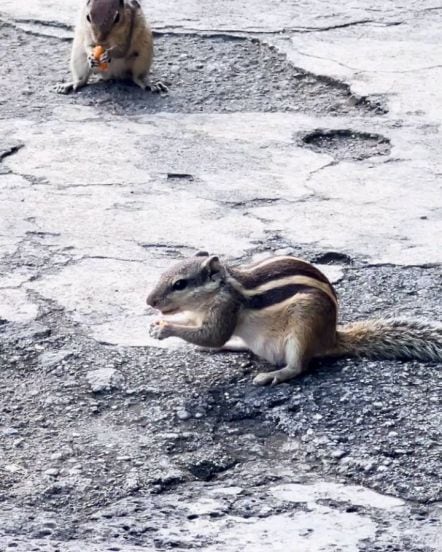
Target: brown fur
{"type": "Point", "coordinates": [287, 328]}
{"type": "Point", "coordinates": [128, 42]}
{"type": "Point", "coordinates": [389, 339]}
{"type": "Point", "coordinates": [309, 318]}
{"type": "Point", "coordinates": [255, 275]}
{"type": "Point", "coordinates": [286, 324]}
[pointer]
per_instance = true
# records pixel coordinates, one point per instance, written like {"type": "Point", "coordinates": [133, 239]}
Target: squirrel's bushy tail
{"type": "Point", "coordinates": [389, 339]}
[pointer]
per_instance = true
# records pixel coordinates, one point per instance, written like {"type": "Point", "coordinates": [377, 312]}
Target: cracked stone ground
{"type": "Point", "coordinates": [289, 127]}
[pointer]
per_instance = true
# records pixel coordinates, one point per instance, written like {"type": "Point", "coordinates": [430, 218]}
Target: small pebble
{"type": "Point", "coordinates": [183, 415]}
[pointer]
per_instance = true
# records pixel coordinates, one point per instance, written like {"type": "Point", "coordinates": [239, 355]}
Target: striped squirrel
{"type": "Point", "coordinates": [282, 309]}
{"type": "Point", "coordinates": [120, 27]}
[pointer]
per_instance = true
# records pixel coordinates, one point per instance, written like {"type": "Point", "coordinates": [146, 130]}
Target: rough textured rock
{"type": "Point", "coordinates": [104, 379]}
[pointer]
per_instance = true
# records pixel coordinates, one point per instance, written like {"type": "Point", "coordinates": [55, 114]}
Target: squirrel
{"type": "Point", "coordinates": [119, 26]}
{"type": "Point", "coordinates": [282, 309]}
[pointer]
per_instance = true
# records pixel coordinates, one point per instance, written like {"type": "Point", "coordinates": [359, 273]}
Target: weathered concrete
{"type": "Point", "coordinates": [267, 16]}
{"type": "Point", "coordinates": [114, 218]}
{"type": "Point", "coordinates": [104, 432]}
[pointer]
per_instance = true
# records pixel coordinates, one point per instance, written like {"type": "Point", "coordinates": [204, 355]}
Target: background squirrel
{"type": "Point", "coordinates": [282, 309]}
{"type": "Point", "coordinates": [119, 26]}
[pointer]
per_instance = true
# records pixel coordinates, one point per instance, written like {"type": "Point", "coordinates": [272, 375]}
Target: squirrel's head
{"type": "Point", "coordinates": [103, 17]}
{"type": "Point", "coordinates": [188, 285]}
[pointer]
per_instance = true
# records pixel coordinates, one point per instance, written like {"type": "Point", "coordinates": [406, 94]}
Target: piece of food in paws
{"type": "Point", "coordinates": [156, 326]}
{"type": "Point", "coordinates": [159, 330]}
{"type": "Point", "coordinates": [98, 51]}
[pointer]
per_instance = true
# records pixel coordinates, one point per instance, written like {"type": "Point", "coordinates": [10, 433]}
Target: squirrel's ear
{"type": "Point", "coordinates": [212, 265]}
{"type": "Point", "coordinates": [201, 254]}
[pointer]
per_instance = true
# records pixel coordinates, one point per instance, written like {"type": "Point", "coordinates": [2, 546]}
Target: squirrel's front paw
{"type": "Point", "coordinates": [93, 61]}
{"type": "Point", "coordinates": [160, 329]}
{"type": "Point", "coordinates": [105, 57]}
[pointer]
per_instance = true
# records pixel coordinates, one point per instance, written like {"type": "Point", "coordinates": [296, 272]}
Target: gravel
{"type": "Point", "coordinates": [232, 74]}
{"type": "Point", "coordinates": [93, 459]}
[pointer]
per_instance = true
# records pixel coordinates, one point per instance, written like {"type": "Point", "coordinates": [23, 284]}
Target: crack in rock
{"type": "Point", "coordinates": [179, 29]}
{"type": "Point", "coordinates": [7, 152]}
{"type": "Point", "coordinates": [31, 26]}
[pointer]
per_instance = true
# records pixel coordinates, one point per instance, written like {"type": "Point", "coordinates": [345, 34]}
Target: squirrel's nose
{"type": "Point", "coordinates": [151, 301]}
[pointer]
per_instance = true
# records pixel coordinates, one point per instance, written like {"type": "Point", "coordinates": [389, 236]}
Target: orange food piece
{"type": "Point", "coordinates": [98, 51]}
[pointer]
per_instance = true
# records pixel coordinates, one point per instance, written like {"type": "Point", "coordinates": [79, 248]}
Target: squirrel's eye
{"type": "Point", "coordinates": [88, 17]}
{"type": "Point", "coordinates": [179, 285]}
{"type": "Point", "coordinates": [117, 17]}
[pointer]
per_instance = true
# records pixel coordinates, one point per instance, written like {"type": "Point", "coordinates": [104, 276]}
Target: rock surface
{"type": "Point", "coordinates": [290, 127]}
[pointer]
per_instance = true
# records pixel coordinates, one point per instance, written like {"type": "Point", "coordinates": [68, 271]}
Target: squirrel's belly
{"type": "Point", "coordinates": [118, 69]}
{"type": "Point", "coordinates": [263, 343]}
